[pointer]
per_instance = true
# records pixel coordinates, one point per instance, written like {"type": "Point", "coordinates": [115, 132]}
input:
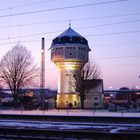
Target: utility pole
{"type": "Point", "coordinates": [42, 75]}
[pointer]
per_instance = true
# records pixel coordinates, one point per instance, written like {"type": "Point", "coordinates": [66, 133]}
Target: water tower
{"type": "Point", "coordinates": [69, 52]}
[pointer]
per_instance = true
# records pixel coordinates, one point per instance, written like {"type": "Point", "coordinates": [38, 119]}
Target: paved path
{"type": "Point", "coordinates": [72, 113]}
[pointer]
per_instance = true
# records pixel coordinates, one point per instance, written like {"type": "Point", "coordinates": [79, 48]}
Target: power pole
{"type": "Point", "coordinates": [42, 75]}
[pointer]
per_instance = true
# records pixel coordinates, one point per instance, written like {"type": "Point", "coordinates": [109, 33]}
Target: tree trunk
{"type": "Point", "coordinates": [82, 102]}
{"type": "Point", "coordinates": [15, 101]}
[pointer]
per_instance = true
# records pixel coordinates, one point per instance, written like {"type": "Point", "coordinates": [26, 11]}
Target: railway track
{"type": "Point", "coordinates": [25, 129]}
{"type": "Point", "coordinates": [66, 118]}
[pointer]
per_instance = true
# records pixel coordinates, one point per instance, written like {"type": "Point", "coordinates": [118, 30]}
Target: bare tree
{"type": "Point", "coordinates": [17, 70]}
{"type": "Point", "coordinates": [86, 80]}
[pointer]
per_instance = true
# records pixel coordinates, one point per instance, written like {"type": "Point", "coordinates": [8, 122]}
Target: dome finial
{"type": "Point", "coordinates": [69, 23]}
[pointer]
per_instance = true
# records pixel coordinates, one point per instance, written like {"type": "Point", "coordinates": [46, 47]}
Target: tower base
{"type": "Point", "coordinates": [68, 101]}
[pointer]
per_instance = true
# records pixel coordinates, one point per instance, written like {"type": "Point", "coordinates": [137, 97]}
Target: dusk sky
{"type": "Point", "coordinates": [112, 28]}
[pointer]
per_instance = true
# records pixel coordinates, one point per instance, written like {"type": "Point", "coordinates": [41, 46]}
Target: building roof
{"type": "Point", "coordinates": [69, 33]}
{"type": "Point", "coordinates": [69, 37]}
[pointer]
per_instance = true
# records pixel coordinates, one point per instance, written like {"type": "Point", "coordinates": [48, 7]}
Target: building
{"type": "Point", "coordinates": [94, 97]}
{"type": "Point", "coordinates": [69, 52]}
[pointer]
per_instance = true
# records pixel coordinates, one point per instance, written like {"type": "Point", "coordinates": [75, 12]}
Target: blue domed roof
{"type": "Point", "coordinates": [69, 33]}
{"type": "Point", "coordinates": [69, 37]}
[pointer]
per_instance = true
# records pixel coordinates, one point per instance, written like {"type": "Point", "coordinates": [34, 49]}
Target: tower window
{"type": "Point", "coordinates": [95, 98]}
{"type": "Point", "coordinates": [70, 39]}
{"type": "Point", "coordinates": [96, 104]}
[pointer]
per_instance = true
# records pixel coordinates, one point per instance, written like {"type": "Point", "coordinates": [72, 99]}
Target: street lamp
{"type": "Point", "coordinates": [110, 87]}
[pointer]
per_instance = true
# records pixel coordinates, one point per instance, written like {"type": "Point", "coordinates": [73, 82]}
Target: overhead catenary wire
{"type": "Point", "coordinates": [115, 33]}
{"type": "Point", "coordinates": [108, 24]}
{"type": "Point", "coordinates": [60, 21]}
{"type": "Point", "coordinates": [117, 44]}
{"type": "Point", "coordinates": [106, 65]}
{"type": "Point", "coordinates": [89, 27]}
{"type": "Point", "coordinates": [63, 8]}
{"type": "Point", "coordinates": [25, 5]}
{"type": "Point", "coordinates": [79, 28]}
{"type": "Point", "coordinates": [30, 35]}
{"type": "Point", "coordinates": [73, 19]}
{"type": "Point", "coordinates": [95, 45]}
{"type": "Point", "coordinates": [120, 65]}
{"type": "Point", "coordinates": [100, 34]}
{"type": "Point", "coordinates": [106, 41]}
{"type": "Point", "coordinates": [116, 57]}
{"type": "Point", "coordinates": [113, 57]}
{"type": "Point", "coordinates": [21, 41]}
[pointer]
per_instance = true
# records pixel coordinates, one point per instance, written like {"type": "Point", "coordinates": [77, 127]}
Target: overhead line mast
{"type": "Point", "coordinates": [42, 75]}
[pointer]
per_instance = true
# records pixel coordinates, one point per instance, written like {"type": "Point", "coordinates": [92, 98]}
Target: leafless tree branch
{"type": "Point", "coordinates": [17, 69]}
{"type": "Point", "coordinates": [88, 73]}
